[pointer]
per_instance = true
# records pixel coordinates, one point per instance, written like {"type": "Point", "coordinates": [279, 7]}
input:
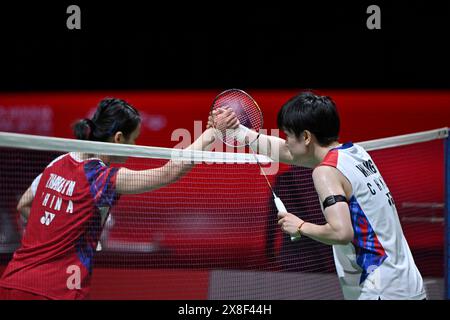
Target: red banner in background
{"type": "Point", "coordinates": [364, 115]}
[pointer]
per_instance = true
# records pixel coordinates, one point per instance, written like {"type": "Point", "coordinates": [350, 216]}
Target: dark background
{"type": "Point", "coordinates": [192, 45]}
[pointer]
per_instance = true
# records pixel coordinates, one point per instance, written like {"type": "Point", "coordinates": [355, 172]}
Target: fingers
{"type": "Point", "coordinates": [210, 123]}
{"type": "Point", "coordinates": [228, 112]}
{"type": "Point", "coordinates": [234, 124]}
{"type": "Point", "coordinates": [283, 223]}
{"type": "Point", "coordinates": [229, 117]}
{"type": "Point", "coordinates": [226, 117]}
{"type": "Point", "coordinates": [220, 110]}
{"type": "Point", "coordinates": [282, 220]}
{"type": "Point", "coordinates": [212, 116]}
{"type": "Point", "coordinates": [223, 118]}
{"type": "Point", "coordinates": [282, 214]}
{"type": "Point", "coordinates": [282, 217]}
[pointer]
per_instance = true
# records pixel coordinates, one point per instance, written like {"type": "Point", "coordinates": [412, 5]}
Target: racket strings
{"type": "Point", "coordinates": [263, 171]}
{"type": "Point", "coordinates": [246, 109]}
{"type": "Point", "coordinates": [249, 115]}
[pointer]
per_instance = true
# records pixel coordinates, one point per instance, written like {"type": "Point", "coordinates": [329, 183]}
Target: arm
{"type": "Point", "coordinates": [270, 146]}
{"type": "Point", "coordinates": [273, 147]}
{"type": "Point", "coordinates": [338, 229]}
{"type": "Point", "coordinates": [138, 181]}
{"type": "Point", "coordinates": [24, 205]}
{"type": "Point", "coordinates": [25, 202]}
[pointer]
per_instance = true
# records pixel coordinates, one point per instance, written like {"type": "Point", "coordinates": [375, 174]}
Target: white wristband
{"type": "Point", "coordinates": [241, 133]}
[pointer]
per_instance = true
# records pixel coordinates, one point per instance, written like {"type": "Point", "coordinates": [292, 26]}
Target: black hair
{"type": "Point", "coordinates": [315, 113]}
{"type": "Point", "coordinates": [112, 115]}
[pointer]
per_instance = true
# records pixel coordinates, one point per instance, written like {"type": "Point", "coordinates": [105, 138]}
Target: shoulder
{"type": "Point", "coordinates": [97, 170]}
{"type": "Point", "coordinates": [59, 159]}
{"type": "Point", "coordinates": [326, 177]}
{"type": "Point", "coordinates": [328, 181]}
{"type": "Point", "coordinates": [331, 159]}
{"type": "Point", "coordinates": [96, 162]}
{"type": "Point", "coordinates": [324, 173]}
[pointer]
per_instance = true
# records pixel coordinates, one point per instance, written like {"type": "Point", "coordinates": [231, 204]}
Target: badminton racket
{"type": "Point", "coordinates": [251, 118]}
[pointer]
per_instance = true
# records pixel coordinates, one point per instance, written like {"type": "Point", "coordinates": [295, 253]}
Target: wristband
{"type": "Point", "coordinates": [299, 227]}
{"type": "Point", "coordinates": [241, 133]}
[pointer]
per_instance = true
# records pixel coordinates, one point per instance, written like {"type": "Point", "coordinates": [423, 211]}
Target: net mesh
{"type": "Point", "coordinates": [213, 234]}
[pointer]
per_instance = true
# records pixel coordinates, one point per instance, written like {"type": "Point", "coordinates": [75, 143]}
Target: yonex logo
{"type": "Point", "coordinates": [48, 218]}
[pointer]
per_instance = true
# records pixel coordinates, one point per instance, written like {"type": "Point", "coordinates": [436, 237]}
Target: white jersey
{"type": "Point", "coordinates": [378, 263]}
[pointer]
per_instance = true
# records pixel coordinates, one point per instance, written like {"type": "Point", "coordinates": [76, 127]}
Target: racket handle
{"type": "Point", "coordinates": [281, 208]}
{"type": "Point", "coordinates": [279, 204]}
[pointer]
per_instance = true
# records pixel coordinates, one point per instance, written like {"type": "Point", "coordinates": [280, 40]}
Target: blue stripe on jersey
{"type": "Point", "coordinates": [370, 253]}
{"type": "Point", "coordinates": [85, 253]}
{"type": "Point", "coordinates": [87, 243]}
{"type": "Point", "coordinates": [99, 178]}
{"type": "Point", "coordinates": [344, 146]}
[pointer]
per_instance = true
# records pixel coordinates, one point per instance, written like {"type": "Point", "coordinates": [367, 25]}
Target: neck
{"type": "Point", "coordinates": [320, 152]}
{"type": "Point", "coordinates": [84, 156]}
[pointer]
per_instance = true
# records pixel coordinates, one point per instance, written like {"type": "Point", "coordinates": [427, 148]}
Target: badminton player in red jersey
{"type": "Point", "coordinates": [70, 202]}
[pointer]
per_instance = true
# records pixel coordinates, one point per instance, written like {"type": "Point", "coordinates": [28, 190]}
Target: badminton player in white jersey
{"type": "Point", "coordinates": [372, 257]}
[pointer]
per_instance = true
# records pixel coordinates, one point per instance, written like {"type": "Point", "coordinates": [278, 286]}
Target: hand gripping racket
{"type": "Point", "coordinates": [250, 118]}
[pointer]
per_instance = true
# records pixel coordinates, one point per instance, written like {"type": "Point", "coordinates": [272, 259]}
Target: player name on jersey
{"type": "Point", "coordinates": [367, 168]}
{"type": "Point", "coordinates": [62, 186]}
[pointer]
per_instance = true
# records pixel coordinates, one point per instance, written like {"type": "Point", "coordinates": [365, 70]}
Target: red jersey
{"type": "Point", "coordinates": [71, 203]}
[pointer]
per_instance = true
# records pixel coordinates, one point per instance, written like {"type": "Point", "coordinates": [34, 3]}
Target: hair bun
{"type": "Point", "coordinates": [83, 129]}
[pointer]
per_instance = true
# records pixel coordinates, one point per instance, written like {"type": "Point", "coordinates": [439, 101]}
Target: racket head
{"type": "Point", "coordinates": [246, 110]}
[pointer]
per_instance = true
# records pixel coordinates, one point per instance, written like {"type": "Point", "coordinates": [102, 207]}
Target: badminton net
{"type": "Point", "coordinates": [213, 234]}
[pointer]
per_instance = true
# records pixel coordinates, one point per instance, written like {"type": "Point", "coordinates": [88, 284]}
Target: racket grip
{"type": "Point", "coordinates": [281, 208]}
{"type": "Point", "coordinates": [279, 204]}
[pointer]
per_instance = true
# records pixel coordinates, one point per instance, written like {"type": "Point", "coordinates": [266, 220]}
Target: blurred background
{"type": "Point", "coordinates": [170, 61]}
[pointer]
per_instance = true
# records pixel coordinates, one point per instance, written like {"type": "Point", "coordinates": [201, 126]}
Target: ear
{"type": "Point", "coordinates": [119, 137]}
{"type": "Point", "coordinates": [307, 135]}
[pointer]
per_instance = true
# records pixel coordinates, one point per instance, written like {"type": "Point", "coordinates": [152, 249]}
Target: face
{"type": "Point", "coordinates": [297, 147]}
{"type": "Point", "coordinates": [131, 139]}
{"type": "Point", "coordinates": [133, 136]}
